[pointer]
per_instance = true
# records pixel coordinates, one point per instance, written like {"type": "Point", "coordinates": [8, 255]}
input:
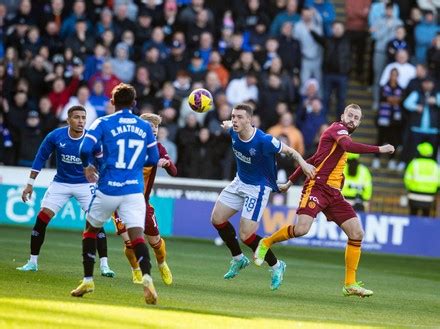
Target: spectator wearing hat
{"type": "Point", "coordinates": [290, 14]}
{"type": "Point", "coordinates": [107, 77]}
{"type": "Point", "coordinates": [358, 184]}
{"type": "Point", "coordinates": [122, 66]}
{"type": "Point", "coordinates": [31, 138]}
{"type": "Point", "coordinates": [422, 180]}
{"type": "Point", "coordinates": [423, 121]}
{"type": "Point", "coordinates": [424, 34]}
{"type": "Point", "coordinates": [197, 70]}
{"type": "Point", "coordinates": [176, 61]}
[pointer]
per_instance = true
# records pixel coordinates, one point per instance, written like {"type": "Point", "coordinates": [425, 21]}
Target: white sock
{"type": "Point", "coordinates": [238, 257]}
{"type": "Point", "coordinates": [103, 261]}
{"type": "Point", "coordinates": [276, 265]}
{"type": "Point", "coordinates": [88, 279]}
{"type": "Point", "coordinates": [135, 269]}
{"type": "Point", "coordinates": [34, 259]}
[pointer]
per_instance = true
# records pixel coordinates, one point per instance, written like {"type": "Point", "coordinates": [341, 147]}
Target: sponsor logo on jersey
{"type": "Point", "coordinates": [71, 159]}
{"type": "Point", "coordinates": [342, 132]}
{"type": "Point", "coordinates": [62, 144]}
{"type": "Point", "coordinates": [122, 184]}
{"type": "Point", "coordinates": [240, 156]}
{"type": "Point", "coordinates": [127, 121]}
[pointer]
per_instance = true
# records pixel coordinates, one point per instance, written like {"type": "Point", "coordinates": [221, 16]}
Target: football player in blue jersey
{"type": "Point", "coordinates": [128, 145]}
{"type": "Point", "coordinates": [69, 182]}
{"type": "Point", "coordinates": [249, 192]}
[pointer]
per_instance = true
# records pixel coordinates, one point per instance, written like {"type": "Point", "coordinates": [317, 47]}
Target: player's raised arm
{"type": "Point", "coordinates": [308, 169]}
{"type": "Point", "coordinates": [45, 150]}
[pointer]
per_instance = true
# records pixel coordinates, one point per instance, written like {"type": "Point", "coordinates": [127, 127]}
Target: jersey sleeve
{"type": "Point", "coordinates": [342, 137]}
{"type": "Point", "coordinates": [152, 150]}
{"type": "Point", "coordinates": [163, 154]}
{"type": "Point", "coordinates": [91, 139]}
{"type": "Point", "coordinates": [271, 145]}
{"type": "Point", "coordinates": [44, 152]}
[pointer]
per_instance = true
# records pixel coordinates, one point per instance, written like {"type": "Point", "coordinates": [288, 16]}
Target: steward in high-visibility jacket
{"type": "Point", "coordinates": [422, 179]}
{"type": "Point", "coordinates": [358, 185]}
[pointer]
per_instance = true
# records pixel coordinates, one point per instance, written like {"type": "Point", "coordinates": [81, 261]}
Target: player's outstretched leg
{"type": "Point", "coordinates": [239, 261]}
{"type": "Point", "coordinates": [160, 252]}
{"type": "Point", "coordinates": [352, 256]}
{"type": "Point", "coordinates": [102, 252]}
{"type": "Point", "coordinates": [89, 250]}
{"type": "Point", "coordinates": [143, 259]}
{"type": "Point", "coordinates": [278, 267]}
{"type": "Point", "coordinates": [37, 240]}
{"type": "Point", "coordinates": [283, 234]}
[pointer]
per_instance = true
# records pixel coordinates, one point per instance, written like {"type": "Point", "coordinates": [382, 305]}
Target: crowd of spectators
{"type": "Point", "coordinates": [290, 58]}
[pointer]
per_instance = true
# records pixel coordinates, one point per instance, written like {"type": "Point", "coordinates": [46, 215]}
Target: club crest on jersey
{"type": "Point", "coordinates": [252, 151]}
{"type": "Point", "coordinates": [311, 204]}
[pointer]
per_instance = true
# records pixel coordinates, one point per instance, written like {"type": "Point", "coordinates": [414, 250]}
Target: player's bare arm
{"type": "Point", "coordinates": [308, 169]}
{"type": "Point", "coordinates": [285, 186]}
{"type": "Point", "coordinates": [27, 191]}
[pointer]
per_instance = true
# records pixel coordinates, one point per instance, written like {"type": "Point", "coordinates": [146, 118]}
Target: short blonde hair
{"type": "Point", "coordinates": [353, 106]}
{"type": "Point", "coordinates": [152, 118]}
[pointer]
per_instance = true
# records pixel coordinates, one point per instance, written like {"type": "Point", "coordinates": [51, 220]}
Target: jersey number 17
{"type": "Point", "coordinates": [138, 145]}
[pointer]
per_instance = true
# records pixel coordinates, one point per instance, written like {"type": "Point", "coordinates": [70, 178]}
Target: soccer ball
{"type": "Point", "coordinates": [200, 100]}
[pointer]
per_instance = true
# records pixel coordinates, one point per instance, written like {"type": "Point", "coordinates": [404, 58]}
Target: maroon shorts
{"type": "Point", "coordinates": [321, 197]}
{"type": "Point", "coordinates": [151, 227]}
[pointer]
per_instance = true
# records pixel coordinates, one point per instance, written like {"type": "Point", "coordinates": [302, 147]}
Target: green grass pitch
{"type": "Point", "coordinates": [406, 289]}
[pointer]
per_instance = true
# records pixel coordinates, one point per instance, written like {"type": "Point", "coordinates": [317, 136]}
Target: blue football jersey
{"type": "Point", "coordinates": [69, 166]}
{"type": "Point", "coordinates": [256, 164]}
{"type": "Point", "coordinates": [128, 144]}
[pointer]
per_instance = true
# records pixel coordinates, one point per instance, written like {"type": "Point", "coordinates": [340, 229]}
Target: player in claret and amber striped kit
{"type": "Point", "coordinates": [323, 193]}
